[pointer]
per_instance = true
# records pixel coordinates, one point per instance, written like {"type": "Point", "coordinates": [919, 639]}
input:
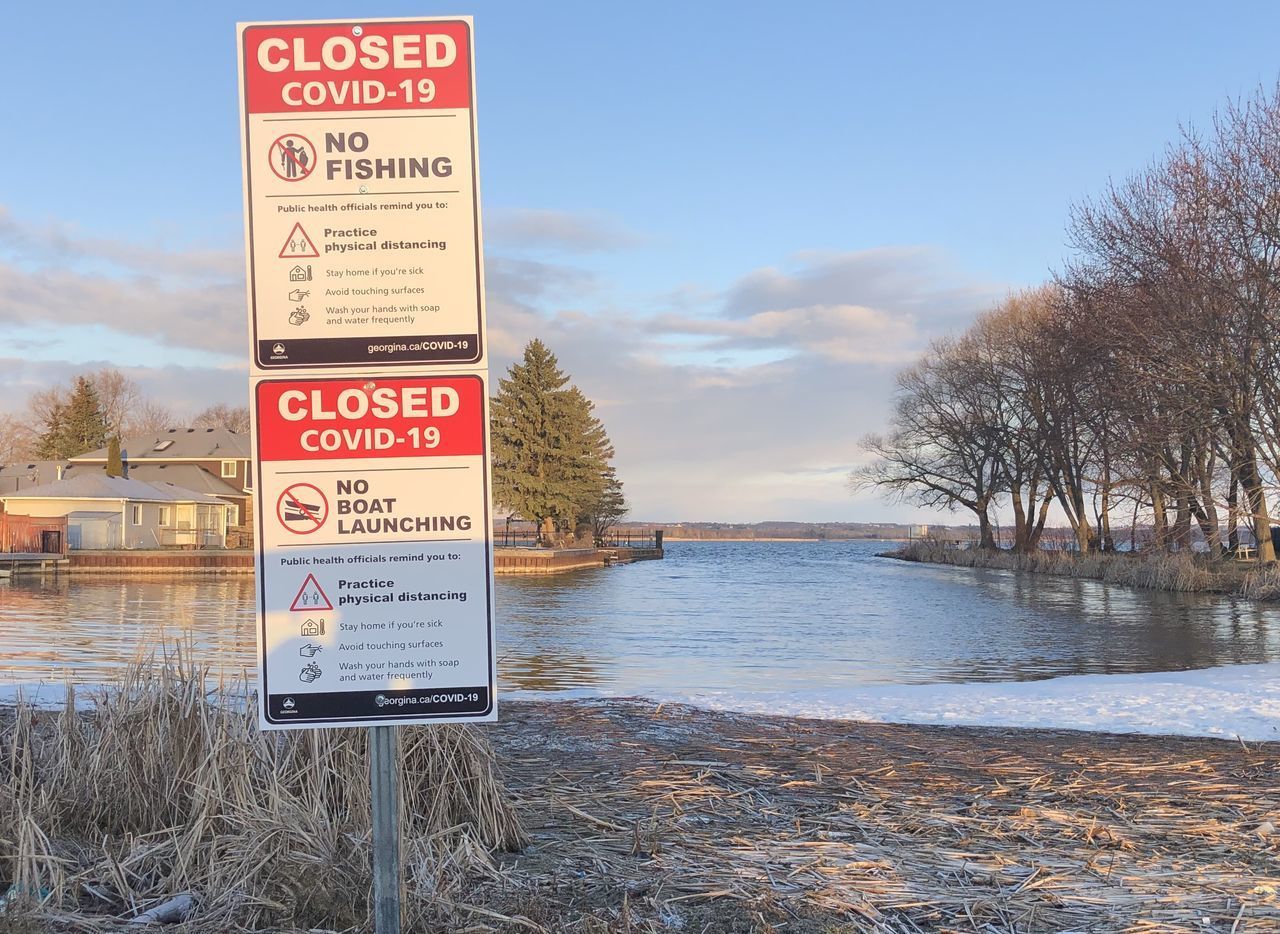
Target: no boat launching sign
{"type": "Point", "coordinates": [361, 205]}
{"type": "Point", "coordinates": [375, 582]}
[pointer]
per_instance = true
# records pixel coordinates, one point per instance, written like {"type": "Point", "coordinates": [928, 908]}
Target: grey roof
{"type": "Point", "coordinates": [187, 476]}
{"type": "Point", "coordinates": [100, 486]}
{"type": "Point", "coordinates": [21, 476]}
{"type": "Point", "coordinates": [203, 443]}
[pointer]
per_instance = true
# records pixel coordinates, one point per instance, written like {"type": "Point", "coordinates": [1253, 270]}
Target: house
{"type": "Point", "coordinates": [15, 477]}
{"type": "Point", "coordinates": [213, 461]}
{"type": "Point", "coordinates": [104, 512]}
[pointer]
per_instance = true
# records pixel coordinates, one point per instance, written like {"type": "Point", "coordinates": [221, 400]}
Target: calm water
{"type": "Point", "coordinates": [718, 616]}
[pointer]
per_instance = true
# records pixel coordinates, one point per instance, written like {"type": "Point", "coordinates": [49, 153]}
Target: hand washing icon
{"type": "Point", "coordinates": [310, 672]}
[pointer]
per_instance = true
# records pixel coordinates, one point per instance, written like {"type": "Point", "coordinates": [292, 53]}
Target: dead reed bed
{"type": "Point", "coordinates": [633, 818]}
{"type": "Point", "coordinates": [161, 788]}
{"type": "Point", "coordinates": [1183, 573]}
{"type": "Point", "coordinates": [669, 818]}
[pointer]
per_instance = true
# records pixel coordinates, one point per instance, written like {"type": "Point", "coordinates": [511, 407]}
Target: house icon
{"type": "Point", "coordinates": [313, 628]}
{"type": "Point", "coordinates": [300, 274]}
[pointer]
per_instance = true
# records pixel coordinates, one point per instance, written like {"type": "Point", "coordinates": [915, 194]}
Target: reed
{"type": "Point", "coordinates": [1182, 572]}
{"type": "Point", "coordinates": [162, 787]}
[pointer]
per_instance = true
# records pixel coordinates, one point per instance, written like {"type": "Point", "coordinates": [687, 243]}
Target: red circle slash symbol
{"type": "Point", "coordinates": [302, 508]}
{"type": "Point", "coordinates": [292, 157]}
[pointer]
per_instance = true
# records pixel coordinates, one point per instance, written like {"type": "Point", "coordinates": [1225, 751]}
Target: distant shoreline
{"type": "Point", "coordinates": [759, 538]}
{"type": "Point", "coordinates": [1175, 573]}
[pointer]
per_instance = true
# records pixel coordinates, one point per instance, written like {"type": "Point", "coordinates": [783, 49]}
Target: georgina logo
{"type": "Point", "coordinates": [383, 701]}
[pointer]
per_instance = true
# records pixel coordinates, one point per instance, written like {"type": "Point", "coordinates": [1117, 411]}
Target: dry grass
{"type": "Point", "coordinates": [1184, 573]}
{"type": "Point", "coordinates": [639, 819]}
{"type": "Point", "coordinates": [1262, 584]}
{"type": "Point", "coordinates": [680, 819]}
{"type": "Point", "coordinates": [159, 790]}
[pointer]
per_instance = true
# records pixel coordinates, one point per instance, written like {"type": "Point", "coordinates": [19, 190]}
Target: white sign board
{"type": "Point", "coordinates": [375, 569]}
{"type": "Point", "coordinates": [361, 195]}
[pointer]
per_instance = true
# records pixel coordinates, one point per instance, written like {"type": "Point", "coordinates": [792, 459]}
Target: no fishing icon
{"type": "Point", "coordinates": [292, 158]}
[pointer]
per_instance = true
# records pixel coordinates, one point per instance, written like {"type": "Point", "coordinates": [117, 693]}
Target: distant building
{"type": "Point", "coordinates": [102, 512]}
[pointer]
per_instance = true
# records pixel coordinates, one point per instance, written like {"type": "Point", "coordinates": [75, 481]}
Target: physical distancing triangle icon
{"type": "Point", "coordinates": [310, 597]}
{"type": "Point", "coordinates": [298, 244]}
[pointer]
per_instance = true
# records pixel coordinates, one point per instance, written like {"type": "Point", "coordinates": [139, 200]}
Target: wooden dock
{"type": "Point", "coordinates": [22, 563]}
{"type": "Point", "coordinates": [242, 561]}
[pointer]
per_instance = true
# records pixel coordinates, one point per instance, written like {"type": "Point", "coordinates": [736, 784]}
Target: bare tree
{"type": "Point", "coordinates": [119, 397]}
{"type": "Point", "coordinates": [232, 418]}
{"type": "Point", "coordinates": [17, 441]}
{"type": "Point", "coordinates": [944, 449]}
{"type": "Point", "coordinates": [151, 418]}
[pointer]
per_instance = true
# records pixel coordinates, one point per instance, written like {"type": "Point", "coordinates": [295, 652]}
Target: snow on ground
{"type": "Point", "coordinates": [1238, 701]}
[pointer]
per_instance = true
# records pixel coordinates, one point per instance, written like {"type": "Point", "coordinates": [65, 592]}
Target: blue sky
{"type": "Point", "coordinates": [732, 221]}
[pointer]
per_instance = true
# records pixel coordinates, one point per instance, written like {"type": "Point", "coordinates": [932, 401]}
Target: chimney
{"type": "Point", "coordinates": [124, 465]}
{"type": "Point", "coordinates": [62, 470]}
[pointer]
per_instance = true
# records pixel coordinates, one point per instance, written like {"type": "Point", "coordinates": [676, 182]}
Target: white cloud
{"type": "Point", "coordinates": [527, 229]}
{"type": "Point", "coordinates": [704, 429]}
{"type": "Point", "coordinates": [740, 404]}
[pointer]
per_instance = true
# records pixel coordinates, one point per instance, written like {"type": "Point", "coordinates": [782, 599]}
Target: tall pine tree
{"type": "Point", "coordinates": [550, 451]}
{"type": "Point", "coordinates": [74, 427]}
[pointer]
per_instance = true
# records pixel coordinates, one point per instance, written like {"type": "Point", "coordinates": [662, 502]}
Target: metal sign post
{"type": "Point", "coordinates": [383, 780]}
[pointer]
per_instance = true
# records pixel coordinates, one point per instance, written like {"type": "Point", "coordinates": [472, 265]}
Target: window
{"type": "Point", "coordinates": [248, 477]}
{"type": "Point", "coordinates": [135, 515]}
{"type": "Point", "coordinates": [228, 469]}
{"type": "Point", "coordinates": [233, 515]}
{"type": "Point", "coordinates": [166, 516]}
{"type": "Point", "coordinates": [164, 445]}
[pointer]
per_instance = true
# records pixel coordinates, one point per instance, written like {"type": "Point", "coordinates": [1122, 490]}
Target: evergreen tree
{"type": "Point", "coordinates": [49, 444]}
{"type": "Point", "coordinates": [609, 507]}
{"type": "Point", "coordinates": [115, 463]}
{"type": "Point", "coordinates": [550, 452]}
{"type": "Point", "coordinates": [74, 427]}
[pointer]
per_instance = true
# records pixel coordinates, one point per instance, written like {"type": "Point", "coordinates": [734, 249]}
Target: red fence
{"type": "Point", "coordinates": [33, 534]}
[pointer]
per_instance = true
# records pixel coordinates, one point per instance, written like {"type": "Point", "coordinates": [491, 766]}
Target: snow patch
{"type": "Point", "coordinates": [1236, 701]}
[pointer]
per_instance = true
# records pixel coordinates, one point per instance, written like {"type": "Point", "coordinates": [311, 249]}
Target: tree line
{"type": "Point", "coordinates": [551, 452]}
{"type": "Point", "coordinates": [86, 413]}
{"type": "Point", "coordinates": [1140, 386]}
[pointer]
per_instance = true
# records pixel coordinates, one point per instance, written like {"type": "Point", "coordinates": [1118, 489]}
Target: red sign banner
{"type": "Point", "coordinates": [340, 419]}
{"type": "Point", "coordinates": [333, 67]}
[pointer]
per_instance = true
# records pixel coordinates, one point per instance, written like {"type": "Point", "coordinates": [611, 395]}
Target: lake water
{"type": "Point", "coordinates": [712, 616]}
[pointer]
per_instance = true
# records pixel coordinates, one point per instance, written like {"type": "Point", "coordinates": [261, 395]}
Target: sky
{"type": "Point", "coordinates": [732, 222]}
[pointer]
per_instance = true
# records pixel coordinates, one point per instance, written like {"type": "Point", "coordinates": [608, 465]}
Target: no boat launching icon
{"type": "Point", "coordinates": [302, 508]}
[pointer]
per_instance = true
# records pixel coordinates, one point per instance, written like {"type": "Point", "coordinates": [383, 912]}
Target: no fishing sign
{"type": "Point", "coordinates": [375, 582]}
{"type": "Point", "coordinates": [362, 211]}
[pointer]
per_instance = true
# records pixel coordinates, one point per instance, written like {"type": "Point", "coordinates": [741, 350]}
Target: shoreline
{"type": "Point", "coordinates": [241, 563]}
{"type": "Point", "coordinates": [644, 817]}
{"type": "Point", "coordinates": [1177, 573]}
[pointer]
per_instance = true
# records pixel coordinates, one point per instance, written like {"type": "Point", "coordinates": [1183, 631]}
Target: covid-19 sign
{"type": "Point", "coordinates": [361, 181]}
{"type": "Point", "coordinates": [374, 569]}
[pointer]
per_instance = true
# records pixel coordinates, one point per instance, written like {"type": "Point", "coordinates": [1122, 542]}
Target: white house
{"type": "Point", "coordinates": [113, 512]}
